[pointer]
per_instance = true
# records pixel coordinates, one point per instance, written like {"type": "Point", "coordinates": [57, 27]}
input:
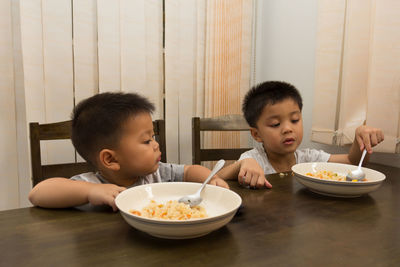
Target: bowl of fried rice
{"type": "Point", "coordinates": [154, 209]}
{"type": "Point", "coordinates": [328, 178]}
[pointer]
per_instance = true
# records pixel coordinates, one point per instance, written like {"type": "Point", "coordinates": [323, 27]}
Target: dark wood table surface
{"type": "Point", "coordinates": [285, 226]}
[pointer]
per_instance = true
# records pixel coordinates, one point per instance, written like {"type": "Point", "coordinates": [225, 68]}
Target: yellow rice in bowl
{"type": "Point", "coordinates": [172, 210]}
{"type": "Point", "coordinates": [329, 175]}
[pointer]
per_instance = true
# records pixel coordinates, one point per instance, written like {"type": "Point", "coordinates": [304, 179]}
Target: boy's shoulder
{"type": "Point", "coordinates": [256, 152]}
{"type": "Point", "coordinates": [170, 172]}
{"type": "Point", "coordinates": [91, 177]}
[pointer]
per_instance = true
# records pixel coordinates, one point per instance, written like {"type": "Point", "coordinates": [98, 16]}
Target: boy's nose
{"type": "Point", "coordinates": [286, 128]}
{"type": "Point", "coordinates": [156, 145]}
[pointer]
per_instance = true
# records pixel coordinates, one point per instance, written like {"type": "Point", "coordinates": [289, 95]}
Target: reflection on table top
{"type": "Point", "coordinates": [287, 225]}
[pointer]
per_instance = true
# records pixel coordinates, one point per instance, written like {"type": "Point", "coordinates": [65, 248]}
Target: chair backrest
{"type": "Point", "coordinates": [62, 130]}
{"type": "Point", "coordinates": [222, 123]}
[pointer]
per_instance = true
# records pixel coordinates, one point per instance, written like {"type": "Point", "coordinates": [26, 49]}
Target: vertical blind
{"type": "Point", "coordinates": [357, 76]}
{"type": "Point", "coordinates": [54, 53]}
{"type": "Point", "coordinates": [207, 68]}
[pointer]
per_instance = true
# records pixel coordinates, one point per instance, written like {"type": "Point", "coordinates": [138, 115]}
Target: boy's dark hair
{"type": "Point", "coordinates": [267, 93]}
{"type": "Point", "coordinates": [97, 121]}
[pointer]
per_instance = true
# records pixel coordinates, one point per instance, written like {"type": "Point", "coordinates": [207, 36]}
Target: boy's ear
{"type": "Point", "coordinates": [254, 133]}
{"type": "Point", "coordinates": [107, 158]}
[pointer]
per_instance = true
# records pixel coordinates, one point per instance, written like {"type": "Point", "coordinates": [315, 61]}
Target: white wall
{"type": "Point", "coordinates": [285, 50]}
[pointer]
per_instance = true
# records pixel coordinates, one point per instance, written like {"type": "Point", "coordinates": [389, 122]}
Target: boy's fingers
{"type": "Point", "coordinates": [222, 183]}
{"type": "Point", "coordinates": [111, 202]}
{"type": "Point", "coordinates": [241, 175]}
{"type": "Point", "coordinates": [367, 143]}
{"type": "Point", "coordinates": [247, 179]}
{"type": "Point", "coordinates": [374, 140]}
{"type": "Point", "coordinates": [267, 184]}
{"type": "Point", "coordinates": [260, 182]}
{"type": "Point", "coordinates": [254, 180]}
{"type": "Point", "coordinates": [251, 181]}
{"type": "Point", "coordinates": [380, 136]}
{"type": "Point", "coordinates": [114, 207]}
{"type": "Point", "coordinates": [360, 142]}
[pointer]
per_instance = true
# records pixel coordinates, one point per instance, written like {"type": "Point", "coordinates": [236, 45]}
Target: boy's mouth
{"type": "Point", "coordinates": [288, 141]}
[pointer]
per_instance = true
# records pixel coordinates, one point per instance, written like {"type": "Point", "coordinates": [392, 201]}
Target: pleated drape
{"type": "Point", "coordinates": [357, 76]}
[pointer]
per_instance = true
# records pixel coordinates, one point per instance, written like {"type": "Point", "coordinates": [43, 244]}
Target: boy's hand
{"type": "Point", "coordinates": [218, 182]}
{"type": "Point", "coordinates": [252, 174]}
{"type": "Point", "coordinates": [105, 194]}
{"type": "Point", "coordinates": [368, 137]}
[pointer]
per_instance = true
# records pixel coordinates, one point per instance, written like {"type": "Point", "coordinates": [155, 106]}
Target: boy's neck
{"type": "Point", "coordinates": [281, 162]}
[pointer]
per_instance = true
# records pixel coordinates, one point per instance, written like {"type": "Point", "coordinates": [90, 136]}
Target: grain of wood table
{"type": "Point", "coordinates": [285, 226]}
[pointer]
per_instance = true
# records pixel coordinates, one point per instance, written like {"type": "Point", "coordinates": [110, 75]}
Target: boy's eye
{"type": "Point", "coordinates": [149, 141]}
{"type": "Point", "coordinates": [295, 121]}
{"type": "Point", "coordinates": [274, 125]}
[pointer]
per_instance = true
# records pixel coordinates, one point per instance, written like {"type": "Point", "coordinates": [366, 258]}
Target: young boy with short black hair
{"type": "Point", "coordinates": [113, 132]}
{"type": "Point", "coordinates": [273, 111]}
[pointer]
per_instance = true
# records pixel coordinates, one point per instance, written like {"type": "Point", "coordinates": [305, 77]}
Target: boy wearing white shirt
{"type": "Point", "coordinates": [273, 111]}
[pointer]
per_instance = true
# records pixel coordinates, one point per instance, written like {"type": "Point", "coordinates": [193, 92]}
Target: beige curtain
{"type": "Point", "coordinates": [130, 48]}
{"type": "Point", "coordinates": [227, 60]}
{"type": "Point", "coordinates": [357, 76]}
{"type": "Point", "coordinates": [55, 53]}
{"type": "Point", "coordinates": [207, 68]}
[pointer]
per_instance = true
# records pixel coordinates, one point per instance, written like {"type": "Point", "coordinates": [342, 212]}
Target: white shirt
{"type": "Point", "coordinates": [301, 155]}
{"type": "Point", "coordinates": [166, 172]}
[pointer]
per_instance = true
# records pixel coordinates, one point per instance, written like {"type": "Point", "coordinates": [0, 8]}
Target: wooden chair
{"type": "Point", "coordinates": [62, 130]}
{"type": "Point", "coordinates": [222, 123]}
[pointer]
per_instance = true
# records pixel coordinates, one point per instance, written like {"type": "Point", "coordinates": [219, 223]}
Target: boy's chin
{"type": "Point", "coordinates": [291, 149]}
{"type": "Point", "coordinates": [155, 168]}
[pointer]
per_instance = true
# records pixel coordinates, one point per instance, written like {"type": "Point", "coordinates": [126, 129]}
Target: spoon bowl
{"type": "Point", "coordinates": [357, 174]}
{"type": "Point", "coordinates": [195, 199]}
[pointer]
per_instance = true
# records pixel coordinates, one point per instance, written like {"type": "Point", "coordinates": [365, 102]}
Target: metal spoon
{"type": "Point", "coordinates": [195, 199]}
{"type": "Point", "coordinates": [357, 174]}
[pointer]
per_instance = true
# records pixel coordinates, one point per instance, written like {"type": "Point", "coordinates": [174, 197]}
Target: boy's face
{"type": "Point", "coordinates": [280, 127]}
{"type": "Point", "coordinates": [138, 153]}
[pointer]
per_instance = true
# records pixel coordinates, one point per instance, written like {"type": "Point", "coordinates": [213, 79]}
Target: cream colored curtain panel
{"type": "Point", "coordinates": [357, 76]}
{"type": "Point", "coordinates": [207, 68]}
{"type": "Point", "coordinates": [227, 76]}
{"type": "Point", "coordinates": [55, 53]}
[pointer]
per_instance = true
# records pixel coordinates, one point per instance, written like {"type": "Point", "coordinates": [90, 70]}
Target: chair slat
{"type": "Point", "coordinates": [55, 131]}
{"type": "Point", "coordinates": [222, 123]}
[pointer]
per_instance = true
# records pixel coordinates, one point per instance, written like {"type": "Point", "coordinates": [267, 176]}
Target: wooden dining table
{"type": "Point", "coordinates": [287, 225]}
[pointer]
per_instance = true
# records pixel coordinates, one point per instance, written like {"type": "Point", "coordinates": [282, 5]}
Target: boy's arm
{"type": "Point", "coordinates": [365, 137]}
{"type": "Point", "coordinates": [353, 157]}
{"type": "Point", "coordinates": [64, 193]}
{"type": "Point", "coordinates": [247, 171]}
{"type": "Point", "coordinates": [198, 174]}
{"type": "Point", "coordinates": [230, 172]}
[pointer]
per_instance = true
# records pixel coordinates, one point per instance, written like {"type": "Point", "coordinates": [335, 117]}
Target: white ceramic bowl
{"type": "Point", "coordinates": [220, 204]}
{"type": "Point", "coordinates": [337, 188]}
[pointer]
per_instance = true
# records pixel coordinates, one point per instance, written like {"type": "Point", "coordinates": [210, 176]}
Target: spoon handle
{"type": "Point", "coordinates": [216, 168]}
{"type": "Point", "coordinates": [362, 158]}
